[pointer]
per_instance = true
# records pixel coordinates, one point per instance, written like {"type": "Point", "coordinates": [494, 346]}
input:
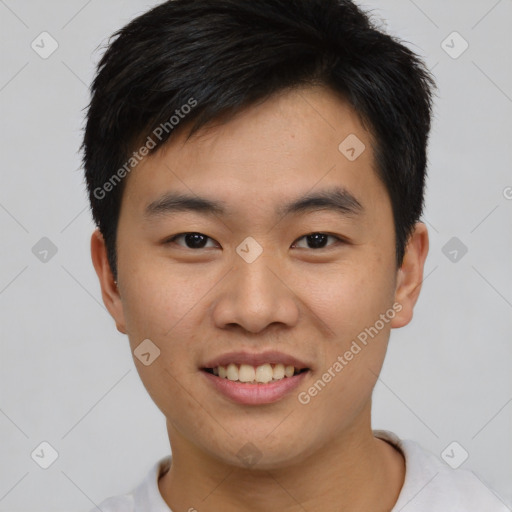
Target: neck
{"type": "Point", "coordinates": [354, 471]}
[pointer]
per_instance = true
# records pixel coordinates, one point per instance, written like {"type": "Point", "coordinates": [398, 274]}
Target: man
{"type": "Point", "coordinates": [256, 171]}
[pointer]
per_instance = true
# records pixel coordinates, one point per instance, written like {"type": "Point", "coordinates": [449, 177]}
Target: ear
{"type": "Point", "coordinates": [410, 275]}
{"type": "Point", "coordinates": [109, 289]}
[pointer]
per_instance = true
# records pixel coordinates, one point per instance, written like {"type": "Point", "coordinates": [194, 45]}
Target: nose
{"type": "Point", "coordinates": [256, 295]}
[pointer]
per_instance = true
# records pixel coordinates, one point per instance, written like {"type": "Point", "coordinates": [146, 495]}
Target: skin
{"type": "Point", "coordinates": [196, 304]}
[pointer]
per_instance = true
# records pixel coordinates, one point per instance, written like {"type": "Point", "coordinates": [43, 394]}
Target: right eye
{"type": "Point", "coordinates": [192, 240]}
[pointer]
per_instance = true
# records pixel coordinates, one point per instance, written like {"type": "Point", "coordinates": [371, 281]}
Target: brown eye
{"type": "Point", "coordinates": [318, 240]}
{"type": "Point", "coordinates": [192, 240]}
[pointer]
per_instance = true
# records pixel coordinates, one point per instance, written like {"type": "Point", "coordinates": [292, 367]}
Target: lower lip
{"type": "Point", "coordinates": [255, 394]}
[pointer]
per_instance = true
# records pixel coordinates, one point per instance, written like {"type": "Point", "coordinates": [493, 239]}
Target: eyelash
{"type": "Point", "coordinates": [339, 240]}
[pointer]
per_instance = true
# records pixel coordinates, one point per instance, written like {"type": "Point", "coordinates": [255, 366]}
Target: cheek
{"type": "Point", "coordinates": [352, 357]}
{"type": "Point", "coordinates": [158, 295]}
{"type": "Point", "coordinates": [350, 297]}
{"type": "Point", "coordinates": [160, 304]}
{"type": "Point", "coordinates": [351, 300]}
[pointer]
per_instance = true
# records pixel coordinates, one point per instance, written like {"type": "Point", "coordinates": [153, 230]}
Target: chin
{"type": "Point", "coordinates": [262, 452]}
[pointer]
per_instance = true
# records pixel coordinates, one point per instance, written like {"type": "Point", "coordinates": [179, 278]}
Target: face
{"type": "Point", "coordinates": [256, 274]}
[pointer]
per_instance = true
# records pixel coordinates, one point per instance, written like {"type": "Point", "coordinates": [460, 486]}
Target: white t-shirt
{"type": "Point", "coordinates": [430, 486]}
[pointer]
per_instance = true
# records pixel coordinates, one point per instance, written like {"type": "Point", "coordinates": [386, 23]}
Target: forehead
{"type": "Point", "coordinates": [294, 143]}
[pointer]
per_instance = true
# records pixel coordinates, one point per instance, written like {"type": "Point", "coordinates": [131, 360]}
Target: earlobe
{"type": "Point", "coordinates": [109, 289]}
{"type": "Point", "coordinates": [410, 275]}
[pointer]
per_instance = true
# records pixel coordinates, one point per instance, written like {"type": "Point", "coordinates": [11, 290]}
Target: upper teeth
{"type": "Point", "coordinates": [247, 373]}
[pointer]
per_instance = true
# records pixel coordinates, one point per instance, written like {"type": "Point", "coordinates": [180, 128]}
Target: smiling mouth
{"type": "Point", "coordinates": [262, 374]}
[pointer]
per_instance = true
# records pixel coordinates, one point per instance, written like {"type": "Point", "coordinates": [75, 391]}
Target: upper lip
{"type": "Point", "coordinates": [256, 359]}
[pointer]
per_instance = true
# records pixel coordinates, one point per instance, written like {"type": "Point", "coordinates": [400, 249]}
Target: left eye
{"type": "Point", "coordinates": [317, 240]}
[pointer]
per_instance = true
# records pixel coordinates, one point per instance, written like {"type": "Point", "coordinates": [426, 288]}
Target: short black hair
{"type": "Point", "coordinates": [200, 60]}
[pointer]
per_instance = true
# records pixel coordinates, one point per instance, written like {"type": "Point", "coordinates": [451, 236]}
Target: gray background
{"type": "Point", "coordinates": [67, 376]}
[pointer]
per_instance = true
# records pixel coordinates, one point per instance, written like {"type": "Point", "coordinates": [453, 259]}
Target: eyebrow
{"type": "Point", "coordinates": [335, 199]}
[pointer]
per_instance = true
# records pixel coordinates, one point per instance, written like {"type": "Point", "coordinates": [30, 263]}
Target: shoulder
{"type": "Point", "coordinates": [145, 497]}
{"type": "Point", "coordinates": [430, 484]}
{"type": "Point", "coordinates": [123, 503]}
